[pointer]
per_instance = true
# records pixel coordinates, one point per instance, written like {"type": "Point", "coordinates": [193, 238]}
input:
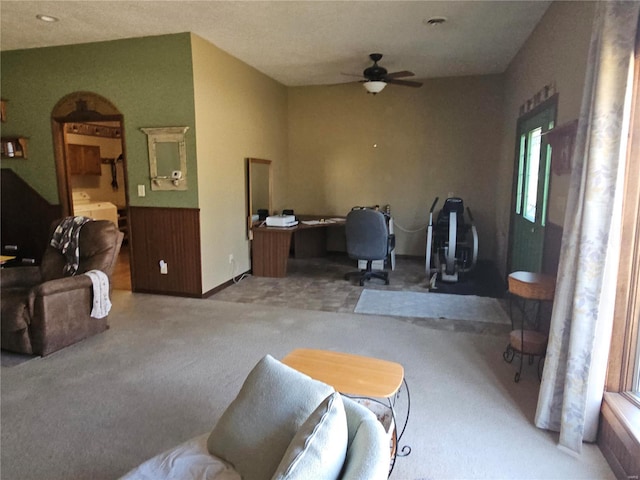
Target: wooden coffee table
{"type": "Point", "coordinates": [358, 376]}
{"type": "Point", "coordinates": [347, 373]}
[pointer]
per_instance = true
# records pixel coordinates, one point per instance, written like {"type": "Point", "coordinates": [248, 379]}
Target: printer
{"type": "Point", "coordinates": [281, 221]}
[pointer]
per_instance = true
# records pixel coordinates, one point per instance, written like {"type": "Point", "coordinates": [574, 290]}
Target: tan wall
{"type": "Point", "coordinates": [556, 52]}
{"type": "Point", "coordinates": [402, 147]}
{"type": "Point", "coordinates": [239, 113]}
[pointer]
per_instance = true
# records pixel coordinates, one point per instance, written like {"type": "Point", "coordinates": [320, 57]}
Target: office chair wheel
{"type": "Point", "coordinates": [362, 282]}
{"type": "Point", "coordinates": [386, 281]}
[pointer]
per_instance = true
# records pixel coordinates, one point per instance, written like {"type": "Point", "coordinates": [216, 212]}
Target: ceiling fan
{"type": "Point", "coordinates": [376, 77]}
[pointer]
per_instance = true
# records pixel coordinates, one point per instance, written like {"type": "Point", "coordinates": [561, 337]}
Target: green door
{"type": "Point", "coordinates": [529, 213]}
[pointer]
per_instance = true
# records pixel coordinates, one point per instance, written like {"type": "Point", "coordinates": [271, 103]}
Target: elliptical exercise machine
{"type": "Point", "coordinates": [452, 243]}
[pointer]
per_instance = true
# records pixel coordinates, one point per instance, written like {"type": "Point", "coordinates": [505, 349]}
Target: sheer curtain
{"type": "Point", "coordinates": [575, 366]}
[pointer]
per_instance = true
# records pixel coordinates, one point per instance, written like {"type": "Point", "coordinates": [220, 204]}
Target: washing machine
{"type": "Point", "coordinates": [84, 206]}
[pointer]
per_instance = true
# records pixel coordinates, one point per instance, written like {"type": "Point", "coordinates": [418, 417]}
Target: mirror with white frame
{"type": "Point", "coordinates": [167, 157]}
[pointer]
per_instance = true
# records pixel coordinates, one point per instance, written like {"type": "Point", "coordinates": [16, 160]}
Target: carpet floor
{"type": "Point", "coordinates": [168, 367]}
{"type": "Point", "coordinates": [319, 284]}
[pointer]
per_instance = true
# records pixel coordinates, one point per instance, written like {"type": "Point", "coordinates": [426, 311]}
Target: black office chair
{"type": "Point", "coordinates": [368, 239]}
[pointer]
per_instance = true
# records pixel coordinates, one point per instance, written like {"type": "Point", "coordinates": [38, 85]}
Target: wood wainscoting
{"type": "Point", "coordinates": [26, 218]}
{"type": "Point", "coordinates": [172, 235]}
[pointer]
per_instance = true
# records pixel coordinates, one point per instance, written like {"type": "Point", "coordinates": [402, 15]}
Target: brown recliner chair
{"type": "Point", "coordinates": [43, 310]}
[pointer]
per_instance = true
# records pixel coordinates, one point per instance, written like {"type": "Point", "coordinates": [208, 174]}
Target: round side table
{"type": "Point", "coordinates": [527, 291]}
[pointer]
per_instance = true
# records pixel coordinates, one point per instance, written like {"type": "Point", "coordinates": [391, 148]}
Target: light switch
{"type": "Point", "coordinates": [141, 192]}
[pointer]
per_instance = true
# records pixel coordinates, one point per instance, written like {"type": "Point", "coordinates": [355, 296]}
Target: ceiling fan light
{"type": "Point", "coordinates": [46, 18]}
{"type": "Point", "coordinates": [374, 87]}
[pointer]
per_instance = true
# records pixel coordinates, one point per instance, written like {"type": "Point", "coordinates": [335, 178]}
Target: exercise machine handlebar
{"type": "Point", "coordinates": [470, 216]}
{"type": "Point", "coordinates": [433, 205]}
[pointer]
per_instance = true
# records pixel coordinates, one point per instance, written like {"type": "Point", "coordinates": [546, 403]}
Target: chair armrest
{"type": "Point", "coordinates": [61, 285]}
{"type": "Point", "coordinates": [60, 312]}
{"type": "Point", "coordinates": [20, 276]}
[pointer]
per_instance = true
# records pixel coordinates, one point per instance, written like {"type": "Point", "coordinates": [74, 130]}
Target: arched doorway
{"type": "Point", "coordinates": [91, 165]}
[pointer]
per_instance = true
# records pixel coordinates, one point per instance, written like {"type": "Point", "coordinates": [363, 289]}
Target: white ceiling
{"type": "Point", "coordinates": [298, 42]}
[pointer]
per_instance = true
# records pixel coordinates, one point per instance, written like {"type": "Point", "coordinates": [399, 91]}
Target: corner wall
{"type": "Point", "coordinates": [555, 52]}
{"type": "Point", "coordinates": [240, 113]}
{"type": "Point", "coordinates": [403, 147]}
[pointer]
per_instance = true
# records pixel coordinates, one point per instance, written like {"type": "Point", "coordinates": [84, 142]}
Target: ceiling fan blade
{"type": "Point", "coordinates": [351, 74]}
{"type": "Point", "coordinates": [406, 83]}
{"type": "Point", "coordinates": [404, 73]}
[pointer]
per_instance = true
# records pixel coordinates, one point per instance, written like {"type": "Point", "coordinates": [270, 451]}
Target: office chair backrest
{"type": "Point", "coordinates": [367, 234]}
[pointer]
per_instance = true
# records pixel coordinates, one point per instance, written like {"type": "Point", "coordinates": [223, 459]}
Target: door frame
{"type": "Point", "coordinates": [550, 102]}
{"type": "Point", "coordinates": [81, 107]}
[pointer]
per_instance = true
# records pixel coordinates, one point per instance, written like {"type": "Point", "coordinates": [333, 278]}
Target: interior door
{"type": "Point", "coordinates": [531, 190]}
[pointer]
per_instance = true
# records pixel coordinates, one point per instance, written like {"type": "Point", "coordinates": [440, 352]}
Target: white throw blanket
{"type": "Point", "coordinates": [101, 301]}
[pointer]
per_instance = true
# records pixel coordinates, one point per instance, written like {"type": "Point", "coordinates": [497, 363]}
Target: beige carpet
{"type": "Point", "coordinates": [168, 367]}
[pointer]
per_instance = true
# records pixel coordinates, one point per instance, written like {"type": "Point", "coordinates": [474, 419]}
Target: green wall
{"type": "Point", "coordinates": [149, 80]}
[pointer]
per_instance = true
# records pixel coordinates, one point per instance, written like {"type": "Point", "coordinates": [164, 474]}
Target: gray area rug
{"type": "Point", "coordinates": [432, 305]}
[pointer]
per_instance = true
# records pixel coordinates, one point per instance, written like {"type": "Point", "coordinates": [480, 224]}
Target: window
{"type": "Point", "coordinates": [630, 376]}
{"type": "Point", "coordinates": [619, 432]}
{"type": "Point", "coordinates": [635, 387]}
{"type": "Point", "coordinates": [531, 187]}
{"type": "Point", "coordinates": [624, 364]}
{"type": "Point", "coordinates": [531, 177]}
{"type": "Point", "coordinates": [534, 164]}
{"type": "Point", "coordinates": [520, 174]}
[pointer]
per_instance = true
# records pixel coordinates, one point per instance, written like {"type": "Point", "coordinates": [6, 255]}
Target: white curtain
{"type": "Point", "coordinates": [575, 366]}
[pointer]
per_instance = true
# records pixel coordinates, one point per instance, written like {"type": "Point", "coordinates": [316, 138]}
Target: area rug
{"type": "Point", "coordinates": [432, 305]}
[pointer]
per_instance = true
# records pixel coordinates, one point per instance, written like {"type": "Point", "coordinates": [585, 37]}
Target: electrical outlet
{"type": "Point", "coordinates": [231, 258]}
{"type": "Point", "coordinates": [164, 267]}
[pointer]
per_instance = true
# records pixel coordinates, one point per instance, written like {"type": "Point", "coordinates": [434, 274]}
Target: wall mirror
{"type": "Point", "coordinates": [167, 157]}
{"type": "Point", "coordinates": [259, 188]}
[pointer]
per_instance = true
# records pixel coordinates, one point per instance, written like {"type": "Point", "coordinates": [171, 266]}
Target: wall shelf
{"type": "Point", "coordinates": [14, 147]}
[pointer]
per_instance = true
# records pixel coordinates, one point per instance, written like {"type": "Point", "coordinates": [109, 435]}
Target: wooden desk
{"type": "Point", "coordinates": [271, 245]}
